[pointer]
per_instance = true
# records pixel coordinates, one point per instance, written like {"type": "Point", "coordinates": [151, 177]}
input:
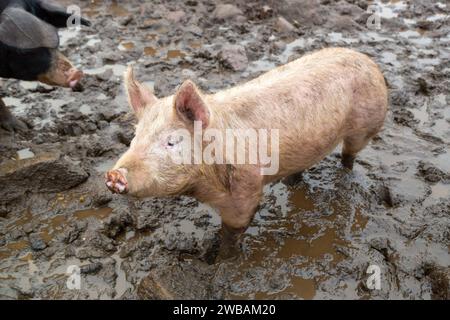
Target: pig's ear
{"type": "Point", "coordinates": [139, 96]}
{"type": "Point", "coordinates": [189, 104]}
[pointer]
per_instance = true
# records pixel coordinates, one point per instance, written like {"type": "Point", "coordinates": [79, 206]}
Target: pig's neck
{"type": "Point", "coordinates": [236, 108]}
{"type": "Point", "coordinates": [212, 186]}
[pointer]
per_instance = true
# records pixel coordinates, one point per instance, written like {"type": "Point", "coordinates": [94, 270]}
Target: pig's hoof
{"type": "Point", "coordinates": [293, 179]}
{"type": "Point", "coordinates": [116, 181]}
{"type": "Point", "coordinates": [228, 251]}
{"type": "Point", "coordinates": [11, 123]}
{"type": "Point", "coordinates": [347, 161]}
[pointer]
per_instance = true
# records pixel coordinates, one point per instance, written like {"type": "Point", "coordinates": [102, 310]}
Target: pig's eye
{"type": "Point", "coordinates": [173, 141]}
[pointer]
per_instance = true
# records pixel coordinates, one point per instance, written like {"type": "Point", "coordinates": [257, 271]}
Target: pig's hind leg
{"type": "Point", "coordinates": [293, 179]}
{"type": "Point", "coordinates": [352, 145]}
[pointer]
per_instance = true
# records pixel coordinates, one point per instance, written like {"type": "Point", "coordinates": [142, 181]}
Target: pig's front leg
{"type": "Point", "coordinates": [238, 209]}
{"type": "Point", "coordinates": [229, 241]}
{"type": "Point", "coordinates": [8, 121]}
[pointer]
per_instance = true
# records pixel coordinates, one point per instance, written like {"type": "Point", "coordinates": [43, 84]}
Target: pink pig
{"type": "Point", "coordinates": [330, 96]}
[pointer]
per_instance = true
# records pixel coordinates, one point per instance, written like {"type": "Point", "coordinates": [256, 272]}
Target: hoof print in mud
{"type": "Point", "coordinates": [179, 280]}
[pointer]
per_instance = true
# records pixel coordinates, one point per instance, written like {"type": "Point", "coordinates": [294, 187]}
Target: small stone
{"type": "Point", "coordinates": [111, 56]}
{"type": "Point", "coordinates": [379, 244]}
{"type": "Point", "coordinates": [176, 16]}
{"type": "Point", "coordinates": [226, 12]}
{"type": "Point", "coordinates": [36, 242]}
{"type": "Point", "coordinates": [105, 76]}
{"type": "Point", "coordinates": [16, 234]}
{"type": "Point", "coordinates": [278, 46]}
{"type": "Point", "coordinates": [102, 199]}
{"type": "Point", "coordinates": [188, 74]}
{"type": "Point", "coordinates": [102, 124]}
{"type": "Point", "coordinates": [282, 25]}
{"type": "Point", "coordinates": [126, 21]}
{"type": "Point", "coordinates": [430, 173]}
{"type": "Point", "coordinates": [265, 12]}
{"type": "Point", "coordinates": [125, 137]}
{"type": "Point", "coordinates": [146, 221]}
{"type": "Point", "coordinates": [241, 19]}
{"type": "Point", "coordinates": [108, 115]}
{"type": "Point", "coordinates": [28, 228]}
{"type": "Point", "coordinates": [70, 234]}
{"type": "Point", "coordinates": [4, 211]}
{"type": "Point", "coordinates": [195, 30]}
{"type": "Point", "coordinates": [234, 57]}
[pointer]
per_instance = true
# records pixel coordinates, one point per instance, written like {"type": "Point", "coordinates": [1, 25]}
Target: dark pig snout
{"type": "Point", "coordinates": [61, 72]}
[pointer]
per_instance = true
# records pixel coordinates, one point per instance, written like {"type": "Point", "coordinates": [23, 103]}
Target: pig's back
{"type": "Point", "coordinates": [314, 101]}
{"type": "Point", "coordinates": [327, 76]}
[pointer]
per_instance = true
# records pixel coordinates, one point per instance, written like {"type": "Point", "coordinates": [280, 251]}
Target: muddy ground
{"type": "Point", "coordinates": [313, 238]}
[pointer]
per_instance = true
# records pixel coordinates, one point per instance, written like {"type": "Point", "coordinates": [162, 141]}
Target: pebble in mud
{"type": "Point", "coordinates": [179, 241]}
{"type": "Point", "coordinates": [176, 16]}
{"type": "Point", "coordinates": [105, 76]}
{"type": "Point", "coordinates": [16, 234]}
{"type": "Point", "coordinates": [282, 25]}
{"type": "Point", "coordinates": [73, 232]}
{"type": "Point", "coordinates": [226, 11]}
{"type": "Point", "coordinates": [36, 242]}
{"type": "Point", "coordinates": [233, 57]}
{"type": "Point", "coordinates": [430, 173]}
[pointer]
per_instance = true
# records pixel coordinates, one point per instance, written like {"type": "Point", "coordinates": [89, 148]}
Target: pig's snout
{"type": "Point", "coordinates": [74, 77]}
{"type": "Point", "coordinates": [116, 181]}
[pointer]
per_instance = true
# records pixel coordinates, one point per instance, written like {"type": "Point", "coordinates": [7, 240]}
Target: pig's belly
{"type": "Point", "coordinates": [303, 143]}
{"type": "Point", "coordinates": [294, 158]}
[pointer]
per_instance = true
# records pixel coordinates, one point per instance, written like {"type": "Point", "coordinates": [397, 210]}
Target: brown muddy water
{"type": "Point", "coordinates": [313, 238]}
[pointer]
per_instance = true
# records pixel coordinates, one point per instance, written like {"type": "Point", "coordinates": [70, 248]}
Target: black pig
{"type": "Point", "coordinates": [29, 48]}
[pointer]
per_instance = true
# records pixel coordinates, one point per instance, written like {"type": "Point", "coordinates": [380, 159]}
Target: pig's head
{"type": "Point", "coordinates": [61, 72]}
{"type": "Point", "coordinates": [149, 167]}
{"type": "Point", "coordinates": [29, 37]}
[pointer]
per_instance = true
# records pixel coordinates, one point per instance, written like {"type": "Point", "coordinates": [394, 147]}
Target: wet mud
{"type": "Point", "coordinates": [314, 237]}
